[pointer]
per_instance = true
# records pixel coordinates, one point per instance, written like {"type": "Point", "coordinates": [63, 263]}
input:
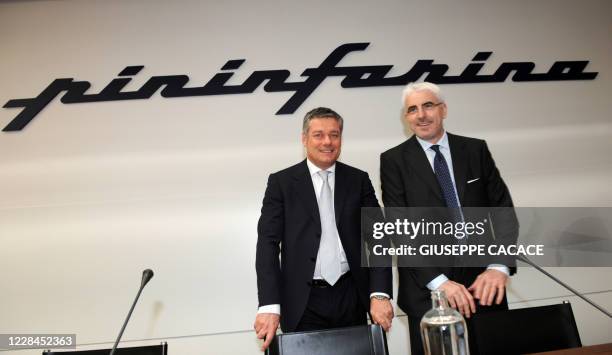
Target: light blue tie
{"type": "Point", "coordinates": [328, 247]}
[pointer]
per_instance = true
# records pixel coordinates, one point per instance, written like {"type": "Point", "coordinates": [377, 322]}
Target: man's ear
{"type": "Point", "coordinates": [444, 110]}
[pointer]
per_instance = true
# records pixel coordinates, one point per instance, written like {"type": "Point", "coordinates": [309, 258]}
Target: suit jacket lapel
{"type": "Point", "coordinates": [460, 158]}
{"type": "Point", "coordinates": [305, 190]}
{"type": "Point", "coordinates": [416, 158]}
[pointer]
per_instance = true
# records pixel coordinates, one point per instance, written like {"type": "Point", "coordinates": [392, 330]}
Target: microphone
{"type": "Point", "coordinates": [146, 276]}
{"type": "Point", "coordinates": [537, 267]}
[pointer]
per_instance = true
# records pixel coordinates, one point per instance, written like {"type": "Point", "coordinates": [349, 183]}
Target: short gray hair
{"type": "Point", "coordinates": [413, 87]}
{"type": "Point", "coordinates": [321, 112]}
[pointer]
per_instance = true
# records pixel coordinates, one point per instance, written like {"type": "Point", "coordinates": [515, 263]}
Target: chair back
{"type": "Point", "coordinates": [524, 330]}
{"type": "Point", "coordinates": [161, 349]}
{"type": "Point", "coordinates": [360, 340]}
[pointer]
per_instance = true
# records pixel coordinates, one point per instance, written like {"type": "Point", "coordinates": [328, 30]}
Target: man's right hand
{"type": "Point", "coordinates": [459, 297]}
{"type": "Point", "coordinates": [265, 326]}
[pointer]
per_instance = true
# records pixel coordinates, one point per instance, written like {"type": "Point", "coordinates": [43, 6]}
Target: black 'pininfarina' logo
{"type": "Point", "coordinates": [275, 81]}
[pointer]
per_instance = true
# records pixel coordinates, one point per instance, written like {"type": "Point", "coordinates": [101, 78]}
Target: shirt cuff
{"type": "Point", "coordinates": [379, 294]}
{"type": "Point", "coordinates": [437, 282]}
{"type": "Point", "coordinates": [269, 308]}
{"type": "Point", "coordinates": [499, 267]}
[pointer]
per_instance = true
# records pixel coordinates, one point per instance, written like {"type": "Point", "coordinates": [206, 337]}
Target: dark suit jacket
{"type": "Point", "coordinates": [290, 224]}
{"type": "Point", "coordinates": [409, 181]}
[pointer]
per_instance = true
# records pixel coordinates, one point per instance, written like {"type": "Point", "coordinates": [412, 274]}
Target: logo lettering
{"type": "Point", "coordinates": [276, 81]}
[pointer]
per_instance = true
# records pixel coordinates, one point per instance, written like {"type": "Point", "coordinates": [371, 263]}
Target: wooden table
{"type": "Point", "coordinates": [601, 349]}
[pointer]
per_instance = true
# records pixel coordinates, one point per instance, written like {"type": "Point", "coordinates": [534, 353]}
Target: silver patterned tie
{"type": "Point", "coordinates": [328, 247]}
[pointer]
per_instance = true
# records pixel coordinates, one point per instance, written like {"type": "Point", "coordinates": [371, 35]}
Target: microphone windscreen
{"type": "Point", "coordinates": [146, 276]}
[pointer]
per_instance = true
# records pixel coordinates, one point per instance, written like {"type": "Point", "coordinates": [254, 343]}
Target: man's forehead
{"type": "Point", "coordinates": [323, 123]}
{"type": "Point", "coordinates": [420, 97]}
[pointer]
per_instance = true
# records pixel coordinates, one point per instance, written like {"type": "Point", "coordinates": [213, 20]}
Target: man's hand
{"type": "Point", "coordinates": [459, 297]}
{"type": "Point", "coordinates": [381, 312]}
{"type": "Point", "coordinates": [265, 327]}
{"type": "Point", "coordinates": [487, 285]}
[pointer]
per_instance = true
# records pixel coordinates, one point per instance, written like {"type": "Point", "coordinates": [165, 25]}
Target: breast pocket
{"type": "Point", "coordinates": [475, 192]}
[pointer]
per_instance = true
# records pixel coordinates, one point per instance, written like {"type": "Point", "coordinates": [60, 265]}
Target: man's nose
{"type": "Point", "coordinates": [420, 114]}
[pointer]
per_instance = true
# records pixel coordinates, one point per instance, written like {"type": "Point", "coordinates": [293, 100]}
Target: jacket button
{"type": "Point", "coordinates": [318, 235]}
{"type": "Point", "coordinates": [313, 259]}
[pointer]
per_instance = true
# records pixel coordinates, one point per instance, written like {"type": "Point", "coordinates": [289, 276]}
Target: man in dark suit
{"type": "Point", "coordinates": [311, 215]}
{"type": "Point", "coordinates": [435, 168]}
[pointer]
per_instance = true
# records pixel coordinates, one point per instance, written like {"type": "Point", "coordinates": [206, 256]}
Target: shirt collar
{"type": "Point", "coordinates": [313, 169]}
{"type": "Point", "coordinates": [443, 142]}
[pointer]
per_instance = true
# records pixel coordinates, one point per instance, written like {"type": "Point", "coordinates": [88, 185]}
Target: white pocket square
{"type": "Point", "coordinates": [473, 180]}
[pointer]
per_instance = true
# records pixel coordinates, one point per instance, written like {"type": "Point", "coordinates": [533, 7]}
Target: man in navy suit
{"type": "Point", "coordinates": [464, 175]}
{"type": "Point", "coordinates": [311, 217]}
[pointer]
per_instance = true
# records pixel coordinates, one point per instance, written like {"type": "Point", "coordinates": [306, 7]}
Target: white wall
{"type": "Point", "coordinates": [91, 194]}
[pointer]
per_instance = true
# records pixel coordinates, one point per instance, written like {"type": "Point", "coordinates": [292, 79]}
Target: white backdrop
{"type": "Point", "coordinates": [93, 193]}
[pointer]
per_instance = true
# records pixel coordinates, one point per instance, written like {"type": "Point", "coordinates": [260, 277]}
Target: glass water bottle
{"type": "Point", "coordinates": [443, 329]}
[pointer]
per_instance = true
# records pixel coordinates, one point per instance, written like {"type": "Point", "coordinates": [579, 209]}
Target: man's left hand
{"type": "Point", "coordinates": [488, 285]}
{"type": "Point", "coordinates": [265, 326]}
{"type": "Point", "coordinates": [381, 312]}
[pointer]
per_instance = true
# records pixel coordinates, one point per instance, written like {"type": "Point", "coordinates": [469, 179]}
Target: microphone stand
{"type": "Point", "coordinates": [525, 260]}
{"type": "Point", "coordinates": [146, 276]}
